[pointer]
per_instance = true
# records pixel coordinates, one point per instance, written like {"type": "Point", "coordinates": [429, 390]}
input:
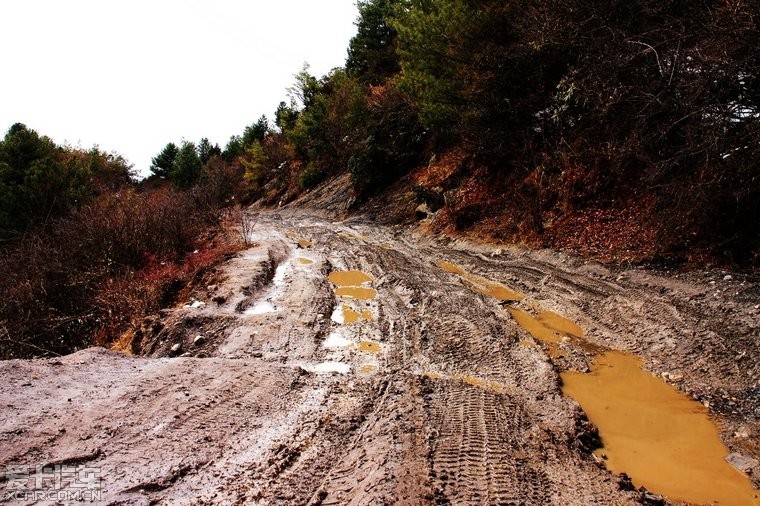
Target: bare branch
{"type": "Point", "coordinates": [656, 54]}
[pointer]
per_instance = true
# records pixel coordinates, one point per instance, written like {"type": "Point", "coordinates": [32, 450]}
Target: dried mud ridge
{"type": "Point", "coordinates": [438, 396]}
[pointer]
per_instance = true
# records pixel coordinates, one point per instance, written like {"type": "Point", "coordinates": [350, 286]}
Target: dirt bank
{"type": "Point", "coordinates": [257, 389]}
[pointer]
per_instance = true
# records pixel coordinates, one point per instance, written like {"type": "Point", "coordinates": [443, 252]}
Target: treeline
{"type": "Point", "coordinates": [40, 181]}
{"type": "Point", "coordinates": [566, 105]}
{"type": "Point", "coordinates": [86, 251]}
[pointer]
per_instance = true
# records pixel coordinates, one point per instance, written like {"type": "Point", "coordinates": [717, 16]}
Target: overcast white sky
{"type": "Point", "coordinates": [131, 76]}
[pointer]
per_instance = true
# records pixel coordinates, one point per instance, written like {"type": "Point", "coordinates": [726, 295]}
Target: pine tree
{"type": "Point", "coordinates": [163, 163]}
{"type": "Point", "coordinates": [187, 166]}
{"type": "Point", "coordinates": [206, 150]}
{"type": "Point", "coordinates": [372, 52]}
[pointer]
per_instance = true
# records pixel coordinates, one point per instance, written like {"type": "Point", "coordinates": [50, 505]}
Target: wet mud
{"type": "Point", "coordinates": [394, 368]}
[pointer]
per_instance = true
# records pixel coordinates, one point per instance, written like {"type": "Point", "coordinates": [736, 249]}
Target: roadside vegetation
{"type": "Point", "coordinates": [630, 126]}
{"type": "Point", "coordinates": [86, 251]}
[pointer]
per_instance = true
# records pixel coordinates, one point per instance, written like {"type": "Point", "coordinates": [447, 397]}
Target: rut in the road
{"type": "Point", "coordinates": [454, 404]}
{"type": "Point", "coordinates": [490, 409]}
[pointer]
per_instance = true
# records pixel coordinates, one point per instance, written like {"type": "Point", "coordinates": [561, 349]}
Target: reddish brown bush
{"type": "Point", "coordinates": [88, 277]}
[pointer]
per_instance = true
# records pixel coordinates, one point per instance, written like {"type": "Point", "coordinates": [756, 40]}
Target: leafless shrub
{"type": "Point", "coordinates": [247, 224]}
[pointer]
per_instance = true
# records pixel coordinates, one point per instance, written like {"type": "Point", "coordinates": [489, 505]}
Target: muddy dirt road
{"type": "Point", "coordinates": [414, 377]}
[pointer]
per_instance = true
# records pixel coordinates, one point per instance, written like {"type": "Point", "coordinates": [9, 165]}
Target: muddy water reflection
{"type": "Point", "coordinates": [452, 268]}
{"type": "Point", "coordinates": [659, 436]}
{"type": "Point", "coordinates": [535, 327]}
{"type": "Point", "coordinates": [560, 324]}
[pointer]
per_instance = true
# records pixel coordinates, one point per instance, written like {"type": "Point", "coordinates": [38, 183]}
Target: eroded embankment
{"type": "Point", "coordinates": [337, 363]}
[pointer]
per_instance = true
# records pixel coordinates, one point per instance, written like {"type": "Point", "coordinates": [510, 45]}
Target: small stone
{"type": "Point", "coordinates": [728, 277]}
{"type": "Point", "coordinates": [625, 482]}
{"type": "Point", "coordinates": [741, 462]}
{"type": "Point", "coordinates": [199, 340]}
{"type": "Point", "coordinates": [197, 304]}
{"type": "Point", "coordinates": [176, 348]}
{"type": "Point", "coordinates": [652, 499]}
{"type": "Point", "coordinates": [742, 433]}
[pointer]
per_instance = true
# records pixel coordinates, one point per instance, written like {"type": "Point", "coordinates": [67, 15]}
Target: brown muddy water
{"type": "Point", "coordinates": [349, 278]}
{"type": "Point", "coordinates": [481, 284]}
{"type": "Point", "coordinates": [369, 347]}
{"type": "Point", "coordinates": [351, 316]}
{"type": "Point", "coordinates": [356, 292]}
{"type": "Point", "coordinates": [350, 285]}
{"type": "Point", "coordinates": [660, 437]}
{"type": "Point", "coordinates": [553, 330]}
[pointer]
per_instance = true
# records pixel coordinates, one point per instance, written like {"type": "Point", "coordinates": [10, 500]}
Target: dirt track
{"type": "Point", "coordinates": [446, 400]}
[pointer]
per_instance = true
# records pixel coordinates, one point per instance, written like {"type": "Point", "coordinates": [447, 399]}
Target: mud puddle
{"type": "Point", "coordinates": [553, 330]}
{"type": "Point", "coordinates": [660, 437]}
{"type": "Point", "coordinates": [345, 315]}
{"type": "Point", "coordinates": [481, 284]}
{"type": "Point", "coordinates": [356, 292]}
{"type": "Point", "coordinates": [351, 284]}
{"type": "Point", "coordinates": [369, 347]}
{"type": "Point", "coordinates": [300, 241]}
